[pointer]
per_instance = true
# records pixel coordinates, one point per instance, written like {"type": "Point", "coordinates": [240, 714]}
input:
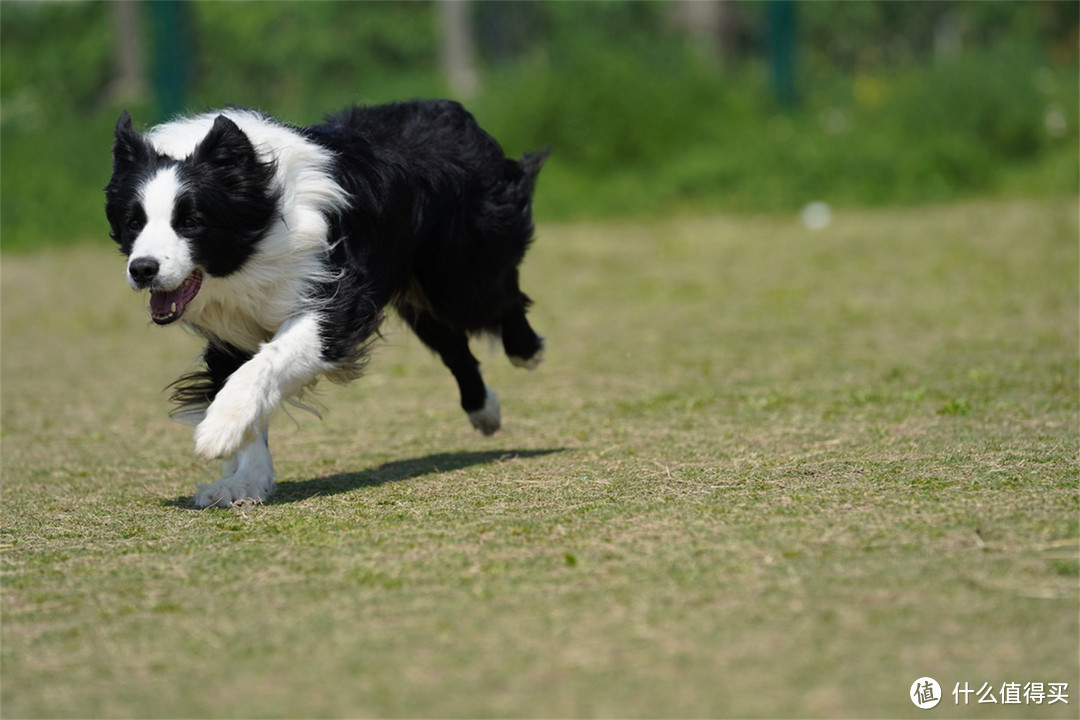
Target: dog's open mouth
{"type": "Point", "coordinates": [168, 306]}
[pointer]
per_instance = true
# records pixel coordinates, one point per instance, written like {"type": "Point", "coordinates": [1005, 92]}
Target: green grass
{"type": "Point", "coordinates": [764, 472]}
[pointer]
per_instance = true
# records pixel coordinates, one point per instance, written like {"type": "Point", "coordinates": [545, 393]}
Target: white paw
{"type": "Point", "coordinates": [248, 476]}
{"type": "Point", "coordinates": [487, 419]}
{"type": "Point", "coordinates": [530, 363]}
{"type": "Point", "coordinates": [233, 420]}
{"type": "Point", "coordinates": [229, 491]}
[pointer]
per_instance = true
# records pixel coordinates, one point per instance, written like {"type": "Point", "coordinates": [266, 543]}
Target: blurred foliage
{"type": "Point", "coordinates": [902, 102]}
{"type": "Point", "coordinates": [302, 59]}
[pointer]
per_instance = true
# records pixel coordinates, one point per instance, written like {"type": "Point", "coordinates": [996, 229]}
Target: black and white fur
{"type": "Point", "coordinates": [282, 246]}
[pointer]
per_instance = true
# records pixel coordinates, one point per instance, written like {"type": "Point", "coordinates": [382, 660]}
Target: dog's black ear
{"type": "Point", "coordinates": [129, 147]}
{"type": "Point", "coordinates": [236, 193]}
{"type": "Point", "coordinates": [225, 145]}
{"type": "Point", "coordinates": [123, 125]}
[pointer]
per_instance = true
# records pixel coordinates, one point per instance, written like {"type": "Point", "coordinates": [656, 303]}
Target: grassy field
{"type": "Point", "coordinates": [764, 472]}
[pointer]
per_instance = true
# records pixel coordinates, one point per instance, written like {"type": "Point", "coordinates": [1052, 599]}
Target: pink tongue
{"type": "Point", "coordinates": [161, 302]}
{"type": "Point", "coordinates": [168, 306]}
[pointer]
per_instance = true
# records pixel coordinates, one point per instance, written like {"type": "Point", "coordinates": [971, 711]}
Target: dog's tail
{"type": "Point", "coordinates": [530, 164]}
{"type": "Point", "coordinates": [508, 205]}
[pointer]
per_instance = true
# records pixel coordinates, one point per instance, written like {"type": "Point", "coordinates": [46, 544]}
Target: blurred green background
{"type": "Point", "coordinates": [651, 108]}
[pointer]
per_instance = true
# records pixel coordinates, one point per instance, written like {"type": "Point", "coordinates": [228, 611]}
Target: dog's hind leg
{"type": "Point", "coordinates": [524, 348]}
{"type": "Point", "coordinates": [478, 401]}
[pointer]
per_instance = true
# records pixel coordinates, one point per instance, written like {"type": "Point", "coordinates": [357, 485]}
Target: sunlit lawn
{"type": "Point", "coordinates": [765, 471]}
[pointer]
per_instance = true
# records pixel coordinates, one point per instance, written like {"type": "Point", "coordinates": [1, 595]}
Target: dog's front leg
{"type": "Point", "coordinates": [248, 476]}
{"type": "Point", "coordinates": [242, 409]}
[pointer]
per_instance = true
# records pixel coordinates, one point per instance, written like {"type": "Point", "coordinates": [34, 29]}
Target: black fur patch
{"type": "Point", "coordinates": [194, 391]}
{"type": "Point", "coordinates": [229, 198]}
{"type": "Point", "coordinates": [134, 161]}
{"type": "Point", "coordinates": [435, 204]}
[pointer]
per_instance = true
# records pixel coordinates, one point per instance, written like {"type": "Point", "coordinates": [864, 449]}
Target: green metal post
{"type": "Point", "coordinates": [170, 47]}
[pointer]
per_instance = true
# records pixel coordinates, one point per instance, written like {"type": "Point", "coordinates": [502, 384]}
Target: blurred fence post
{"type": "Point", "coordinates": [171, 46]}
{"type": "Point", "coordinates": [782, 36]}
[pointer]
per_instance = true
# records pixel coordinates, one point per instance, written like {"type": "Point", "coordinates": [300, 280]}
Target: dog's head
{"type": "Point", "coordinates": [180, 219]}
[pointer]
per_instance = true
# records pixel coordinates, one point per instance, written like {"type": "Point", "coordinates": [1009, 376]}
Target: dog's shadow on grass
{"type": "Point", "coordinates": [394, 471]}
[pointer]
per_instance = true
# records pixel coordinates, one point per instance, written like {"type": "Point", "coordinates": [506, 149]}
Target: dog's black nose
{"type": "Point", "coordinates": [143, 270]}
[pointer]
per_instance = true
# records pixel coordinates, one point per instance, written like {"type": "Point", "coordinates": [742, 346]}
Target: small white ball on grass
{"type": "Point", "coordinates": [816, 215]}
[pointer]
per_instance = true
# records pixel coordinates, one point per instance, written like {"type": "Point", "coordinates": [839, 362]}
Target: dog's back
{"type": "Point", "coordinates": [436, 200]}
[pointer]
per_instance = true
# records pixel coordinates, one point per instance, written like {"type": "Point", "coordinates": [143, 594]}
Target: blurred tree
{"type": "Point", "coordinates": [713, 25]}
{"type": "Point", "coordinates": [130, 80]}
{"type": "Point", "coordinates": [508, 31]}
{"type": "Point", "coordinates": [458, 48]}
{"type": "Point", "coordinates": [948, 36]}
{"type": "Point", "coordinates": [700, 21]}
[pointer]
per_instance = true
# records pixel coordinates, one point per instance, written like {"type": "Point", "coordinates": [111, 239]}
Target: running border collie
{"type": "Point", "coordinates": [282, 246]}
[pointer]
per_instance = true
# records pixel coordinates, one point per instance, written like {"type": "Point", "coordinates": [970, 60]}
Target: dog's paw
{"type": "Point", "coordinates": [529, 363]}
{"type": "Point", "coordinates": [232, 490]}
{"type": "Point", "coordinates": [248, 477]}
{"type": "Point", "coordinates": [487, 419]}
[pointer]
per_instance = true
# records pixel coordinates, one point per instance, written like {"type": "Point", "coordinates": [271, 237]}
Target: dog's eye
{"type": "Point", "coordinates": [134, 224]}
{"type": "Point", "coordinates": [189, 223]}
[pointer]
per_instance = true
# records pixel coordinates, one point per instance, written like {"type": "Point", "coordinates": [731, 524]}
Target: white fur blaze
{"type": "Point", "coordinates": [248, 476]}
{"type": "Point", "coordinates": [158, 241]}
{"type": "Point", "coordinates": [488, 418]}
